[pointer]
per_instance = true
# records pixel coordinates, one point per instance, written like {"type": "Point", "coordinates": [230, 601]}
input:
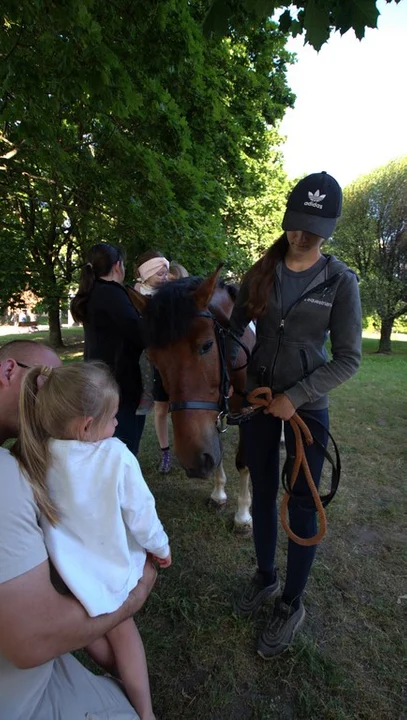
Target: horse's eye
{"type": "Point", "coordinates": [205, 347]}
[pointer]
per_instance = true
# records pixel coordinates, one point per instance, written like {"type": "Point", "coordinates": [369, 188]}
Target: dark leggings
{"type": "Point", "coordinates": [129, 426]}
{"type": "Point", "coordinates": [261, 437]}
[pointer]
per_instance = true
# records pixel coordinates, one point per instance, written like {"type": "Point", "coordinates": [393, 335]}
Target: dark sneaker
{"type": "Point", "coordinates": [280, 630]}
{"type": "Point", "coordinates": [255, 594]}
{"type": "Point", "coordinates": [165, 465]}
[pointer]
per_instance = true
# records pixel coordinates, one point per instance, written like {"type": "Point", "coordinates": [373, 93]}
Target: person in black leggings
{"type": "Point", "coordinates": [298, 296]}
{"type": "Point", "coordinates": [113, 332]}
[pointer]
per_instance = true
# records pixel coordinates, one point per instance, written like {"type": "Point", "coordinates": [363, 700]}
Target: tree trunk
{"type": "Point", "coordinates": [55, 335]}
{"type": "Point", "coordinates": [385, 334]}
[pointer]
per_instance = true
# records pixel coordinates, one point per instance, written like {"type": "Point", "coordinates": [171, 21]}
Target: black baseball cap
{"type": "Point", "coordinates": [314, 205]}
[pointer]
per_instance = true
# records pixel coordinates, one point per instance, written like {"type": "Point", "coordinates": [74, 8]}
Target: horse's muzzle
{"type": "Point", "coordinates": [203, 467]}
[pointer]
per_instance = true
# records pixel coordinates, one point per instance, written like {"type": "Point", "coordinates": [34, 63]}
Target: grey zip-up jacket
{"type": "Point", "coordinates": [290, 355]}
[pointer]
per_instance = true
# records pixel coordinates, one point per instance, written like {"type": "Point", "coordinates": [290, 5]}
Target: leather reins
{"type": "Point", "coordinates": [258, 398]}
{"type": "Point", "coordinates": [261, 397]}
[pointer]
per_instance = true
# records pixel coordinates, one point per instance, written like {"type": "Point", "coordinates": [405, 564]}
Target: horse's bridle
{"type": "Point", "coordinates": [222, 406]}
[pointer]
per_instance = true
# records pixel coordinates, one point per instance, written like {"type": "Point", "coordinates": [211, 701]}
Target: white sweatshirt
{"type": "Point", "coordinates": [107, 521]}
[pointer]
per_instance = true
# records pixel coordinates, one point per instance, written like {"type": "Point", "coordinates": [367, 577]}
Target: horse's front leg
{"type": "Point", "coordinates": [218, 495]}
{"type": "Point", "coordinates": [243, 518]}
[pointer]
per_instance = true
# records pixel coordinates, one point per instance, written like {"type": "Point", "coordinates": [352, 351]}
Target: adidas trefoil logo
{"type": "Point", "coordinates": [315, 199]}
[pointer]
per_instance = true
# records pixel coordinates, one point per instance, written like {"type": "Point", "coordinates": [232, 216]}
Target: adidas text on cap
{"type": "Point", "coordinates": [314, 205]}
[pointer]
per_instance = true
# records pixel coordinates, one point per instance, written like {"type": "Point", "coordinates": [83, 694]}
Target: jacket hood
{"type": "Point", "coordinates": [334, 265]}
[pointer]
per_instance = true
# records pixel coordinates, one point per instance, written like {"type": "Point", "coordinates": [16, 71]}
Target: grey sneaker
{"type": "Point", "coordinates": [280, 630]}
{"type": "Point", "coordinates": [255, 594]}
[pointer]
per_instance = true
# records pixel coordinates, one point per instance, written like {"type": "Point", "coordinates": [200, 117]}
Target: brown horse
{"type": "Point", "coordinates": [184, 323]}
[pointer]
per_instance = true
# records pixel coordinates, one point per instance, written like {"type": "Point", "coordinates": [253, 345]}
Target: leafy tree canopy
{"type": "Point", "coordinates": [316, 18]}
{"type": "Point", "coordinates": [372, 237]}
{"type": "Point", "coordinates": [123, 122]}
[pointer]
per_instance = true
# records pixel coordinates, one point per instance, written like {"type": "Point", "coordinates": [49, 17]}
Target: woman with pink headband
{"type": "Point", "coordinates": [152, 271]}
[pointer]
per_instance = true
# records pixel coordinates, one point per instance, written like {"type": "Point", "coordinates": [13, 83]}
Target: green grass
{"type": "Point", "coordinates": [72, 338]}
{"type": "Point", "coordinates": [347, 662]}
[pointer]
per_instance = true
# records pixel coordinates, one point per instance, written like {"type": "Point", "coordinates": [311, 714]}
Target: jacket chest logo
{"type": "Point", "coordinates": [314, 301]}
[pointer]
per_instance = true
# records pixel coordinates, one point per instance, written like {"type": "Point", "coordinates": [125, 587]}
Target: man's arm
{"type": "Point", "coordinates": [37, 623]}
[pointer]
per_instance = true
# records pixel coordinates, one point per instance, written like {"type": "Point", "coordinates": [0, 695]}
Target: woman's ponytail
{"type": "Point", "coordinates": [261, 276]}
{"type": "Point", "coordinates": [31, 448]}
{"type": "Point", "coordinates": [80, 301]}
{"type": "Point", "coordinates": [100, 260]}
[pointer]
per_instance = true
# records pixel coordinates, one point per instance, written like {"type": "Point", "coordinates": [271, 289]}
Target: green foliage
{"type": "Point", "coordinates": [254, 223]}
{"type": "Point", "coordinates": [317, 18]}
{"type": "Point", "coordinates": [372, 237]}
{"type": "Point", "coordinates": [125, 123]}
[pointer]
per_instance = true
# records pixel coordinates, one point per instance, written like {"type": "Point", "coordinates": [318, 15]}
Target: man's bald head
{"type": "Point", "coordinates": [15, 356]}
{"type": "Point", "coordinates": [29, 352]}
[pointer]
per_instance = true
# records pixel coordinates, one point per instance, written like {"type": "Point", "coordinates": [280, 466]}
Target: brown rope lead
{"type": "Point", "coordinates": [262, 397]}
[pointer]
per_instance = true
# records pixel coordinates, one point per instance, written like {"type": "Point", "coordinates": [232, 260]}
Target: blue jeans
{"type": "Point", "coordinates": [261, 437]}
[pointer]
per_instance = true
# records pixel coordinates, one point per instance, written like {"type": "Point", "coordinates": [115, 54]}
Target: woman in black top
{"type": "Point", "coordinates": [113, 332]}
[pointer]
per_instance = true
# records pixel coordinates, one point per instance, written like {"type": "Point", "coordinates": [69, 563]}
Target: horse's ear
{"type": "Point", "coordinates": [205, 290]}
{"type": "Point", "coordinates": [138, 300]}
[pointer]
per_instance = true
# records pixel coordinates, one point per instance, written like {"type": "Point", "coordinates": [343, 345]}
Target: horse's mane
{"type": "Point", "coordinates": [170, 312]}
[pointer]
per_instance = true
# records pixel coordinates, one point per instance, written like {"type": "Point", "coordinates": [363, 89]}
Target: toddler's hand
{"type": "Point", "coordinates": [162, 562]}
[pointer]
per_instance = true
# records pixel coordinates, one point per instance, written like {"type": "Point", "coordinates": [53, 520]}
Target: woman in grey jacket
{"type": "Point", "coordinates": [297, 295]}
